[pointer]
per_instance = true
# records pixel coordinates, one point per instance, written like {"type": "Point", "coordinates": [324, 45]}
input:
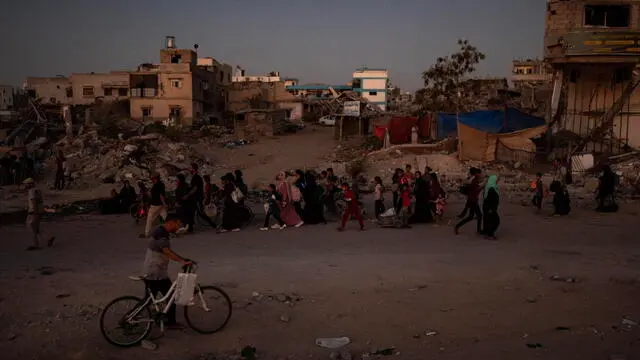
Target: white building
{"type": "Point", "coordinates": [373, 85]}
{"type": "Point", "coordinates": [240, 76]}
{"type": "Point", "coordinates": [6, 97]}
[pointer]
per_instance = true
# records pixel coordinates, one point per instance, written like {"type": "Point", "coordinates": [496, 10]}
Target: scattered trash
{"type": "Point", "coordinates": [148, 345]}
{"type": "Point", "coordinates": [333, 343]}
{"type": "Point", "coordinates": [563, 279]}
{"type": "Point", "coordinates": [384, 352]}
{"type": "Point", "coordinates": [249, 353]}
{"type": "Point", "coordinates": [431, 333]}
{"type": "Point", "coordinates": [534, 345]}
{"type": "Point", "coordinates": [628, 322]}
{"type": "Point", "coordinates": [285, 318]}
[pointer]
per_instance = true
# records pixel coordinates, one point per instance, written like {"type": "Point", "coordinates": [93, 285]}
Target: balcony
{"type": "Point", "coordinates": [143, 92]}
{"type": "Point", "coordinates": [610, 46]}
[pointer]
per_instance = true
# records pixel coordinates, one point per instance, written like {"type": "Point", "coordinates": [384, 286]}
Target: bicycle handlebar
{"type": "Point", "coordinates": [190, 268]}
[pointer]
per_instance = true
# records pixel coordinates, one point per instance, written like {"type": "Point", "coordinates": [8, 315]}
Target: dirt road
{"type": "Point", "coordinates": [382, 288]}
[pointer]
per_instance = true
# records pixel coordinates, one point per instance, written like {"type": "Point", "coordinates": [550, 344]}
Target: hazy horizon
{"type": "Point", "coordinates": [314, 42]}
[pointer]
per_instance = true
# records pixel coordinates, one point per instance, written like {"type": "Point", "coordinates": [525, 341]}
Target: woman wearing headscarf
{"type": "Point", "coordinates": [297, 192]}
{"type": "Point", "coordinates": [230, 220]}
{"type": "Point", "coordinates": [437, 198]}
{"type": "Point", "coordinates": [239, 182]}
{"type": "Point", "coordinates": [313, 209]}
{"type": "Point", "coordinates": [606, 191]}
{"type": "Point", "coordinates": [287, 211]}
{"type": "Point", "coordinates": [491, 219]}
{"type": "Point", "coordinates": [422, 212]}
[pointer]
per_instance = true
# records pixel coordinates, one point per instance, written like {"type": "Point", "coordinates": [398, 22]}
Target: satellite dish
{"type": "Point", "coordinates": [195, 46]}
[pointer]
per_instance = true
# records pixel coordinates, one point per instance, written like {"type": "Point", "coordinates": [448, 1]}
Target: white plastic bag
{"type": "Point", "coordinates": [185, 286]}
{"type": "Point", "coordinates": [211, 210]}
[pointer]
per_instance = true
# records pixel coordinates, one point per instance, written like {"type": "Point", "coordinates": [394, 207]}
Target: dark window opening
{"type": "Point", "coordinates": [175, 59]}
{"type": "Point", "coordinates": [229, 77]}
{"type": "Point", "coordinates": [108, 91]}
{"type": "Point", "coordinates": [146, 112]}
{"type": "Point", "coordinates": [373, 93]}
{"type": "Point", "coordinates": [69, 92]}
{"type": "Point", "coordinates": [357, 84]}
{"type": "Point", "coordinates": [31, 93]}
{"type": "Point", "coordinates": [221, 76]}
{"type": "Point", "coordinates": [87, 91]}
{"type": "Point", "coordinates": [574, 75]}
{"type": "Point", "coordinates": [617, 16]}
{"type": "Point", "coordinates": [122, 92]}
{"type": "Point", "coordinates": [622, 75]}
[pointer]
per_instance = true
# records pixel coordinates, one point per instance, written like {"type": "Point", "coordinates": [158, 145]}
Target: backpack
{"type": "Point", "coordinates": [237, 195]}
{"type": "Point", "coordinates": [296, 195]}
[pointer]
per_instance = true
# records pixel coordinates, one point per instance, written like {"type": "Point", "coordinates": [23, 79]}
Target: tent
{"type": "Point", "coordinates": [490, 121]}
{"type": "Point", "coordinates": [484, 146]}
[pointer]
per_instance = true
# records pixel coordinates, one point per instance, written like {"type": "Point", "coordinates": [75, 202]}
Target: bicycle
{"type": "Point", "coordinates": [142, 314]}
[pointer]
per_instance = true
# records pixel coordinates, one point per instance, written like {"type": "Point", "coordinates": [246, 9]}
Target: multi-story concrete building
{"type": "Point", "coordinates": [6, 97]}
{"type": "Point", "coordinates": [176, 91]}
{"type": "Point", "coordinates": [241, 76]}
{"type": "Point", "coordinates": [49, 90]}
{"type": "Point", "coordinates": [86, 88]}
{"type": "Point", "coordinates": [530, 71]}
{"type": "Point", "coordinates": [79, 88]}
{"type": "Point", "coordinates": [373, 85]}
{"type": "Point", "coordinates": [593, 48]}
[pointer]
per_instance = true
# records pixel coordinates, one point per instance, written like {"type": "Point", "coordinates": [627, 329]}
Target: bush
{"type": "Point", "coordinates": [372, 143]}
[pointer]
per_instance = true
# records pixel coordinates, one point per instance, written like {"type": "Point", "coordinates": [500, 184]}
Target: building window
{"type": "Point", "coordinates": [229, 77]}
{"type": "Point", "coordinates": [221, 76]}
{"type": "Point", "coordinates": [373, 93]}
{"type": "Point", "coordinates": [108, 91]}
{"type": "Point", "coordinates": [122, 92]}
{"type": "Point", "coordinates": [146, 111]}
{"type": "Point", "coordinates": [175, 58]}
{"type": "Point", "coordinates": [176, 83]}
{"type": "Point", "coordinates": [616, 16]}
{"type": "Point", "coordinates": [87, 91]}
{"type": "Point", "coordinates": [31, 93]}
{"type": "Point", "coordinates": [574, 75]}
{"type": "Point", "coordinates": [621, 75]}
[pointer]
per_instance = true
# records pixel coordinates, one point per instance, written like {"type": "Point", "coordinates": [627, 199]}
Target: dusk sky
{"type": "Point", "coordinates": [315, 41]}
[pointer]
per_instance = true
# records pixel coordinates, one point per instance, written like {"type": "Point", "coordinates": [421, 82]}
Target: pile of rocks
{"type": "Point", "coordinates": [93, 159]}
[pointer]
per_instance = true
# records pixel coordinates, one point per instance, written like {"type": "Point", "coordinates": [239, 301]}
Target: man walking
{"type": "Point", "coordinates": [157, 203]}
{"type": "Point", "coordinates": [195, 199]}
{"type": "Point", "coordinates": [473, 195]}
{"type": "Point", "coordinates": [35, 211]}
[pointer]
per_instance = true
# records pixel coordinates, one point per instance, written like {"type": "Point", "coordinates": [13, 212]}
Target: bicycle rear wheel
{"type": "Point", "coordinates": [211, 311]}
{"type": "Point", "coordinates": [126, 330]}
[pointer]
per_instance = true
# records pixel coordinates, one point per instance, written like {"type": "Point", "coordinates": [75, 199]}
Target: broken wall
{"type": "Point", "coordinates": [591, 91]}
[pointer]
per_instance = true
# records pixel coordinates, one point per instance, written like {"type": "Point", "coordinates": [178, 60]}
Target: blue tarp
{"type": "Point", "coordinates": [491, 121]}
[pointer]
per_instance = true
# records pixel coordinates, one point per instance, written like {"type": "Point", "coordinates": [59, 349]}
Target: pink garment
{"type": "Point", "coordinates": [288, 212]}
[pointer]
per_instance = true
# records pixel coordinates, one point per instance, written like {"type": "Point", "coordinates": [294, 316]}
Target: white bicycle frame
{"type": "Point", "coordinates": [169, 297]}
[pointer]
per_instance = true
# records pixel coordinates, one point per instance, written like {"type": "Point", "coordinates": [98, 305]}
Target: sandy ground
{"type": "Point", "coordinates": [382, 288]}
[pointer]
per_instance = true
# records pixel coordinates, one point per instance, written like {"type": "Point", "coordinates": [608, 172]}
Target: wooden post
{"type": "Point", "coordinates": [341, 126]}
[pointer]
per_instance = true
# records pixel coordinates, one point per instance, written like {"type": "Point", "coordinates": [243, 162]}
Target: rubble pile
{"type": "Point", "coordinates": [92, 159]}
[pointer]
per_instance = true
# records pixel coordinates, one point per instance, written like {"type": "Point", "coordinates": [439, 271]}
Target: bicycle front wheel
{"type": "Point", "coordinates": [211, 310]}
{"type": "Point", "coordinates": [125, 322]}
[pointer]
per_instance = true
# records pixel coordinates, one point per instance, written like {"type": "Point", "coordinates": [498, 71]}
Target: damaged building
{"type": "Point", "coordinates": [593, 48]}
{"type": "Point", "coordinates": [178, 91]}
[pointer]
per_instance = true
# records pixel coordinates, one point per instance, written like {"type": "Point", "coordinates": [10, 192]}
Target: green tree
{"type": "Point", "coordinates": [446, 85]}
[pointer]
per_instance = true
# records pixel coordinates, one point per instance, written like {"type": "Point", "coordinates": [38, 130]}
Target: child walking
{"type": "Point", "coordinates": [273, 210]}
{"type": "Point", "coordinates": [379, 207]}
{"type": "Point", "coordinates": [405, 209]}
{"type": "Point", "coordinates": [352, 208]}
